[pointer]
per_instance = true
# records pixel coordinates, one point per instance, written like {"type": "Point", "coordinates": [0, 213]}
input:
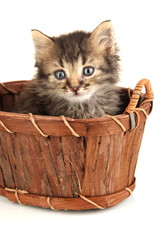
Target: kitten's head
{"type": "Point", "coordinates": [78, 64]}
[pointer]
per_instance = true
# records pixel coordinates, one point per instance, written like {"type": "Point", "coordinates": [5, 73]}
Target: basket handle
{"type": "Point", "coordinates": [148, 96]}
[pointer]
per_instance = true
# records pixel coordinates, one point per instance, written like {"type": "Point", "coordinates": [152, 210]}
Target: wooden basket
{"type": "Point", "coordinates": [62, 163]}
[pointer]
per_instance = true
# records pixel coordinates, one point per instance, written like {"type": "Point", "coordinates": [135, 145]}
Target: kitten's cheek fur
{"type": "Point", "coordinates": [51, 79]}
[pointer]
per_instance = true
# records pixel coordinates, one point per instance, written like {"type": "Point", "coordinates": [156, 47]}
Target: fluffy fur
{"type": "Point", "coordinates": [77, 95]}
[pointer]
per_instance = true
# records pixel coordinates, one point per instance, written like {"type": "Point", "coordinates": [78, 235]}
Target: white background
{"type": "Point", "coordinates": [139, 32]}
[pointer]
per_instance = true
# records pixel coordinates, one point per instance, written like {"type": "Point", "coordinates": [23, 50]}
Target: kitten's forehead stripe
{"type": "Point", "coordinates": [71, 46]}
{"type": "Point", "coordinates": [57, 64]}
{"type": "Point", "coordinates": [61, 62]}
{"type": "Point", "coordinates": [83, 60]}
{"type": "Point", "coordinates": [73, 70]}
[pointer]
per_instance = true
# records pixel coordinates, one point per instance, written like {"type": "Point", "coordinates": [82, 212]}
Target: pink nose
{"type": "Point", "coordinates": [75, 88]}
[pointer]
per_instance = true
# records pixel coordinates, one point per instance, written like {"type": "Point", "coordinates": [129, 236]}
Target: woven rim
{"type": "Point", "coordinates": [36, 124]}
{"type": "Point", "coordinates": [78, 203]}
{"type": "Point", "coordinates": [129, 109]}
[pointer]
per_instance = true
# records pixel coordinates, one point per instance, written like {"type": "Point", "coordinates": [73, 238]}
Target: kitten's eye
{"type": "Point", "coordinates": [88, 71]}
{"type": "Point", "coordinates": [60, 74]}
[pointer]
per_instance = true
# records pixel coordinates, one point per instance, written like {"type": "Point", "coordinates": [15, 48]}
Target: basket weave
{"type": "Point", "coordinates": [62, 163]}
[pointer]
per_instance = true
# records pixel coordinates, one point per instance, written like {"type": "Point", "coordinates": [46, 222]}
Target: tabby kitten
{"type": "Point", "coordinates": [76, 75]}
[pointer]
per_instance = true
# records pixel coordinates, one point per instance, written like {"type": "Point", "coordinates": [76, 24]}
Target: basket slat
{"type": "Point", "coordinates": [2, 184]}
{"type": "Point", "coordinates": [136, 140]}
{"type": "Point", "coordinates": [5, 164]}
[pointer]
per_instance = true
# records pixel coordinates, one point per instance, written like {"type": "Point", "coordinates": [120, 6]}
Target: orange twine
{"type": "Point", "coordinates": [31, 118]}
{"type": "Point", "coordinates": [129, 190]}
{"type": "Point", "coordinates": [4, 126]}
{"type": "Point", "coordinates": [68, 125]}
{"type": "Point", "coordinates": [80, 190]}
{"type": "Point", "coordinates": [8, 89]}
{"type": "Point", "coordinates": [16, 191]}
{"type": "Point", "coordinates": [116, 120]}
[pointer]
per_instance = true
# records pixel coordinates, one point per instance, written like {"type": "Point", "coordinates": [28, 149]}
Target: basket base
{"type": "Point", "coordinates": [100, 202]}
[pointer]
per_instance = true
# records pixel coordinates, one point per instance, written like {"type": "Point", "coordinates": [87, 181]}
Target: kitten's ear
{"type": "Point", "coordinates": [43, 45]}
{"type": "Point", "coordinates": [102, 37]}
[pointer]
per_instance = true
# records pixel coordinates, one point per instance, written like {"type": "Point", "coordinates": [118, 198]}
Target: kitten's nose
{"type": "Point", "coordinates": [75, 88]}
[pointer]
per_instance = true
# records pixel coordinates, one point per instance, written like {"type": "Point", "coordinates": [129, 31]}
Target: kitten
{"type": "Point", "coordinates": [76, 75]}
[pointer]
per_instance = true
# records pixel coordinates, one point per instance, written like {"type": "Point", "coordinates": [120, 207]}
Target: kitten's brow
{"type": "Point", "coordinates": [58, 65]}
{"type": "Point", "coordinates": [90, 60]}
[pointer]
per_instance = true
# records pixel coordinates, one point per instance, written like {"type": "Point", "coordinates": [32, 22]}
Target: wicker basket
{"type": "Point", "coordinates": [62, 163]}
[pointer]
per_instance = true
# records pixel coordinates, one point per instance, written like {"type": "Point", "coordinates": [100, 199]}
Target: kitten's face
{"type": "Point", "coordinates": [77, 65]}
{"type": "Point", "coordinates": [77, 80]}
{"type": "Point", "coordinates": [74, 80]}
